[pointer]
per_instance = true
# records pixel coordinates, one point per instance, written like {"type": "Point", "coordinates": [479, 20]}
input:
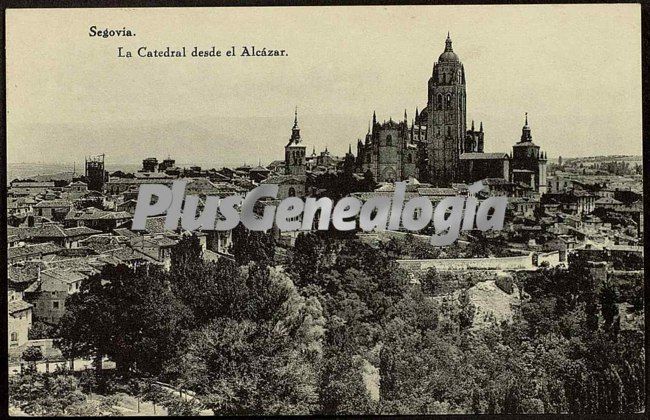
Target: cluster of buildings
{"type": "Point", "coordinates": [60, 233]}
{"type": "Point", "coordinates": [437, 147]}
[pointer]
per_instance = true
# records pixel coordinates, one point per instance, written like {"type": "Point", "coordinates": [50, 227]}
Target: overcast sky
{"type": "Point", "coordinates": [576, 70]}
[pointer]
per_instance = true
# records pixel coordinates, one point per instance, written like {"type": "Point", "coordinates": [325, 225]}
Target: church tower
{"type": "Point", "coordinates": [446, 125]}
{"type": "Point", "coordinates": [528, 162]}
{"type": "Point", "coordinates": [294, 151]}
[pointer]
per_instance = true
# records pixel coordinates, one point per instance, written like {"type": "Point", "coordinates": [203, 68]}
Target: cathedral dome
{"type": "Point", "coordinates": [448, 56]}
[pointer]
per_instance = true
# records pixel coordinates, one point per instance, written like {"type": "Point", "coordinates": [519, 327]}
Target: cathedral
{"type": "Point", "coordinates": [438, 148]}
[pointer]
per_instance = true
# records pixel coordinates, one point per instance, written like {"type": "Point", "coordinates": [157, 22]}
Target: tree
{"type": "Point", "coordinates": [32, 354]}
{"type": "Point", "coordinates": [263, 361]}
{"type": "Point", "coordinates": [242, 367]}
{"type": "Point", "coordinates": [41, 330]}
{"type": "Point", "coordinates": [308, 258]}
{"type": "Point", "coordinates": [44, 394]}
{"type": "Point", "coordinates": [591, 313]}
{"type": "Point", "coordinates": [250, 246]}
{"type": "Point", "coordinates": [430, 281]}
{"type": "Point", "coordinates": [208, 290]}
{"type": "Point", "coordinates": [186, 253]}
{"type": "Point", "coordinates": [467, 310]}
{"type": "Point", "coordinates": [341, 389]}
{"type": "Point", "coordinates": [608, 304]}
{"type": "Point", "coordinates": [155, 394]}
{"type": "Point", "coordinates": [130, 316]}
{"type": "Point", "coordinates": [178, 406]}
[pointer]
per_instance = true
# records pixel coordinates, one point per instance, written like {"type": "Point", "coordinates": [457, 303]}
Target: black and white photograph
{"type": "Point", "coordinates": [325, 210]}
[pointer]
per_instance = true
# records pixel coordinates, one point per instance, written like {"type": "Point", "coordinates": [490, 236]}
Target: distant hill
{"type": "Point", "coordinates": [610, 158]}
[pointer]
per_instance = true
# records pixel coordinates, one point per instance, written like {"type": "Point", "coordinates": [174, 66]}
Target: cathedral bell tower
{"type": "Point", "coordinates": [446, 125]}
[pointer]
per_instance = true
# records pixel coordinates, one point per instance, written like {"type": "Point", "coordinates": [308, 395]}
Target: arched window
{"type": "Point", "coordinates": [460, 102]}
{"type": "Point", "coordinates": [448, 131]}
{"type": "Point", "coordinates": [389, 140]}
{"type": "Point", "coordinates": [14, 336]}
{"type": "Point", "coordinates": [439, 102]}
{"type": "Point", "coordinates": [448, 101]}
{"type": "Point", "coordinates": [292, 192]}
{"type": "Point", "coordinates": [409, 158]}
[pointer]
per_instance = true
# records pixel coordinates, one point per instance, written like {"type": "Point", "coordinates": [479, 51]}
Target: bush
{"type": "Point", "coordinates": [41, 330]}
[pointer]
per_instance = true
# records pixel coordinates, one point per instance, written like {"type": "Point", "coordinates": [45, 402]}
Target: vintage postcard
{"type": "Point", "coordinates": [368, 210]}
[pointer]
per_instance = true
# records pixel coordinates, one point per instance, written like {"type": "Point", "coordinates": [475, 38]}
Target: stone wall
{"type": "Point", "coordinates": [523, 262]}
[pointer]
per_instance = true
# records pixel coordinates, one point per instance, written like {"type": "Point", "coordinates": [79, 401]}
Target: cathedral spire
{"type": "Point", "coordinates": [448, 44]}
{"type": "Point", "coordinates": [472, 125]}
{"type": "Point", "coordinates": [481, 128]}
{"type": "Point", "coordinates": [350, 148]}
{"type": "Point", "coordinates": [405, 118]}
{"type": "Point", "coordinates": [374, 118]}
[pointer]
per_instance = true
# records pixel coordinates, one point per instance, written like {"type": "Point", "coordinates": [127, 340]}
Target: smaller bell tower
{"type": "Point", "coordinates": [295, 151]}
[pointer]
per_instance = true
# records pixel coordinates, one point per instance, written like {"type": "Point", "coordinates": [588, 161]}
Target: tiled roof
{"type": "Point", "coordinates": [18, 234]}
{"type": "Point", "coordinates": [32, 250]}
{"type": "Point", "coordinates": [50, 230]}
{"type": "Point", "coordinates": [625, 248]}
{"type": "Point", "coordinates": [124, 232]}
{"type": "Point", "coordinates": [480, 156]}
{"type": "Point", "coordinates": [496, 181]}
{"type": "Point", "coordinates": [439, 192]}
{"type": "Point", "coordinates": [135, 181]}
{"type": "Point", "coordinates": [129, 254]}
{"type": "Point", "coordinates": [365, 196]}
{"type": "Point", "coordinates": [81, 231]}
{"type": "Point", "coordinates": [32, 184]}
{"type": "Point", "coordinates": [85, 265]}
{"type": "Point", "coordinates": [142, 241]}
{"type": "Point", "coordinates": [53, 204]}
{"type": "Point", "coordinates": [155, 224]}
{"type": "Point", "coordinates": [259, 169]}
{"type": "Point", "coordinates": [102, 243]}
{"type": "Point", "coordinates": [54, 280]}
{"type": "Point", "coordinates": [92, 213]}
{"type": "Point", "coordinates": [26, 274]}
{"type": "Point", "coordinates": [18, 305]}
{"type": "Point", "coordinates": [21, 202]}
{"type": "Point", "coordinates": [284, 179]}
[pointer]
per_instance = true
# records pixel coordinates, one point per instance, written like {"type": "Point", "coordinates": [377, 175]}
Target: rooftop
{"type": "Point", "coordinates": [18, 305]}
{"type": "Point", "coordinates": [480, 156]}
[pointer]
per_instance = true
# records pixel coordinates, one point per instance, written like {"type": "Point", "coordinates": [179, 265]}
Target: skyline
{"type": "Point", "coordinates": [190, 109]}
